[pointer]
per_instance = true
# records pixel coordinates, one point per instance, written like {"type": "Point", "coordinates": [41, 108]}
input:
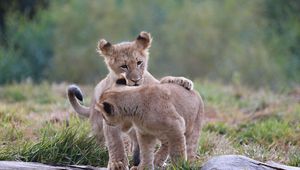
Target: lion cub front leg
{"type": "Point", "coordinates": [147, 146]}
{"type": "Point", "coordinates": [182, 81]}
{"type": "Point", "coordinates": [116, 151]}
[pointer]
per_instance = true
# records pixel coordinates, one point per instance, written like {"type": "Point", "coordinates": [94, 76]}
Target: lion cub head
{"type": "Point", "coordinates": [109, 111]}
{"type": "Point", "coordinates": [127, 59]}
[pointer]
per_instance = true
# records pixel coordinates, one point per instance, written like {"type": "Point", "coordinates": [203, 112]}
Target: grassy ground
{"type": "Point", "coordinates": [38, 124]}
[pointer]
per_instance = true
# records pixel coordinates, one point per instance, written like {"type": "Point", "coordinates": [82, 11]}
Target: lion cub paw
{"type": "Point", "coordinates": [117, 166]}
{"type": "Point", "coordinates": [182, 81]}
{"type": "Point", "coordinates": [134, 168]}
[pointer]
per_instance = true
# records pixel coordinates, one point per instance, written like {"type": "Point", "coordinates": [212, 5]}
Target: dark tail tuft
{"type": "Point", "coordinates": [76, 91]}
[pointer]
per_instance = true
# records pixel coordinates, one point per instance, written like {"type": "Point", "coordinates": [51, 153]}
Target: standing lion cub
{"type": "Point", "coordinates": [167, 112]}
{"type": "Point", "coordinates": [128, 60]}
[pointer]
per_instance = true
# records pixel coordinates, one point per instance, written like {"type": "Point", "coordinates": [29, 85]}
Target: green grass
{"type": "Point", "coordinates": [67, 147]}
{"type": "Point", "coordinates": [262, 125]}
{"type": "Point", "coordinates": [16, 93]}
{"type": "Point", "coordinates": [266, 132]}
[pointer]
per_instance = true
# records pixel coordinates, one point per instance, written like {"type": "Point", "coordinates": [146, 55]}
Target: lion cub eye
{"type": "Point", "coordinates": [124, 66]}
{"type": "Point", "coordinates": [139, 63]}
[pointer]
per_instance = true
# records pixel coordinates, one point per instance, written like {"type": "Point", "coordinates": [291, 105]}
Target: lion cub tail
{"type": "Point", "coordinates": [75, 94]}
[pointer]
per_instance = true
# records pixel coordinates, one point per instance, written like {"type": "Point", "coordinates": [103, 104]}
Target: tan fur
{"type": "Point", "coordinates": [135, 56]}
{"type": "Point", "coordinates": [166, 112]}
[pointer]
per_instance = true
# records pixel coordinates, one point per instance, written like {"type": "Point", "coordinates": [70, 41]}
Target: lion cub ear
{"type": "Point", "coordinates": [108, 108]}
{"type": "Point", "coordinates": [105, 108]}
{"type": "Point", "coordinates": [143, 41]}
{"type": "Point", "coordinates": [104, 47]}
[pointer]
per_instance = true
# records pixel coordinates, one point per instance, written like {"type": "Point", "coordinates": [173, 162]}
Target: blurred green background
{"type": "Point", "coordinates": [255, 43]}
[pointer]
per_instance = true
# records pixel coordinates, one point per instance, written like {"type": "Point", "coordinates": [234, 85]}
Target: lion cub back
{"type": "Point", "coordinates": [188, 103]}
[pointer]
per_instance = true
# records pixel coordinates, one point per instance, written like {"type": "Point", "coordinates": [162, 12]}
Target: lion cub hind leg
{"type": "Point", "coordinates": [147, 146]}
{"type": "Point", "coordinates": [161, 154]}
{"type": "Point", "coordinates": [192, 139]}
{"type": "Point", "coordinates": [177, 145]}
{"type": "Point", "coordinates": [181, 81]}
{"type": "Point", "coordinates": [192, 145]}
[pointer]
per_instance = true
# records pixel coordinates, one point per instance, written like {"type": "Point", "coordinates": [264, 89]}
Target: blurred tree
{"type": "Point", "coordinates": [27, 8]}
{"type": "Point", "coordinates": [284, 37]}
{"type": "Point", "coordinates": [79, 27]}
{"type": "Point", "coordinates": [26, 45]}
{"type": "Point", "coordinates": [257, 40]}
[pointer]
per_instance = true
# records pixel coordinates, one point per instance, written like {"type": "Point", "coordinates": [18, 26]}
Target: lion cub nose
{"type": "Point", "coordinates": [135, 80]}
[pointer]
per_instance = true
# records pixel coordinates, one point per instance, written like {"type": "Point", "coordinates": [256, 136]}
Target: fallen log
{"type": "Point", "coordinates": [223, 162]}
{"type": "Point", "coordinates": [17, 165]}
{"type": "Point", "coordinates": [238, 162]}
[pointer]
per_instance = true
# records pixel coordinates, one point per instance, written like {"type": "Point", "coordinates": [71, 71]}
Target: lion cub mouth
{"type": "Point", "coordinates": [121, 81]}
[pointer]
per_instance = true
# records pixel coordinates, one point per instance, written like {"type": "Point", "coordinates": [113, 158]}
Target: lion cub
{"type": "Point", "coordinates": [167, 112]}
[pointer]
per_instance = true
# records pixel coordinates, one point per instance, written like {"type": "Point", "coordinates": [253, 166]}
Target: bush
{"type": "Point", "coordinates": [27, 47]}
